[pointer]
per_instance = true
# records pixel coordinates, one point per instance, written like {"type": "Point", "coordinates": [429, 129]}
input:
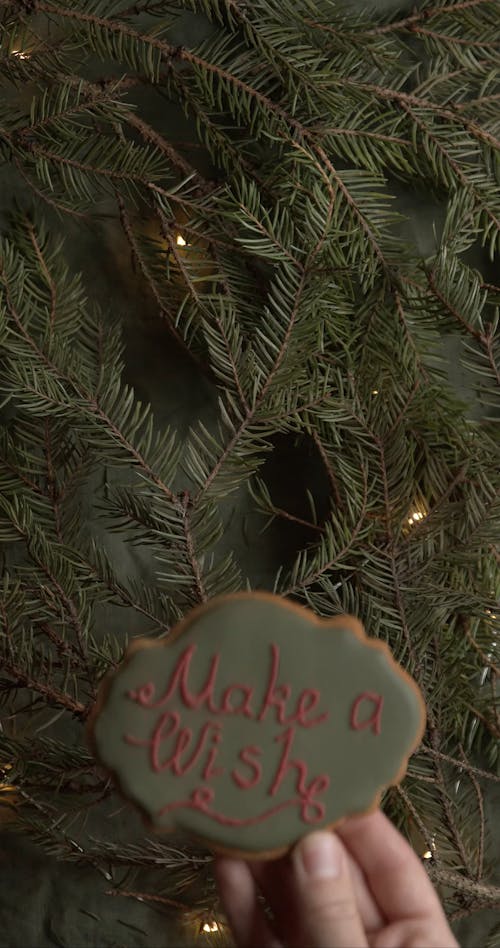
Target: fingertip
{"type": "Point", "coordinates": [319, 856]}
{"type": "Point", "coordinates": [324, 893]}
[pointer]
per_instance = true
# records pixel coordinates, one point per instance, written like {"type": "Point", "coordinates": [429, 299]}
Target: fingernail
{"type": "Point", "coordinates": [320, 856]}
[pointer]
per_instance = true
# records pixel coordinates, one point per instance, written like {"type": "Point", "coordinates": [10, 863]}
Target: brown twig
{"type": "Point", "coordinates": [423, 16]}
{"type": "Point", "coordinates": [328, 468]}
{"type": "Point", "coordinates": [494, 729]}
{"type": "Point", "coordinates": [52, 695]}
{"type": "Point", "coordinates": [47, 275]}
{"type": "Point", "coordinates": [495, 670]}
{"type": "Point", "coordinates": [487, 893]}
{"type": "Point", "coordinates": [446, 38]}
{"type": "Point", "coordinates": [148, 897]}
{"type": "Point", "coordinates": [60, 208]}
{"type": "Point", "coordinates": [279, 512]}
{"type": "Point", "coordinates": [460, 765]}
{"type": "Point", "coordinates": [52, 482]}
{"type": "Point", "coordinates": [452, 310]}
{"type": "Point", "coordinates": [193, 561]}
{"type": "Point", "coordinates": [424, 832]}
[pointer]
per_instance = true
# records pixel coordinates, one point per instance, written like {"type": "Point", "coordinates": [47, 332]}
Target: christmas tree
{"type": "Point", "coordinates": [297, 203]}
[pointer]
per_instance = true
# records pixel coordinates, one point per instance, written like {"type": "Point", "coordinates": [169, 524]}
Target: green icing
{"type": "Point", "coordinates": [358, 763]}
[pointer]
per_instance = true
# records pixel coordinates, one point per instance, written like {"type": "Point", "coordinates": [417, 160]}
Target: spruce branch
{"type": "Point", "coordinates": [151, 282]}
{"type": "Point", "coordinates": [150, 897]}
{"type": "Point", "coordinates": [171, 54]}
{"type": "Point", "coordinates": [427, 13]}
{"type": "Point", "coordinates": [56, 205]}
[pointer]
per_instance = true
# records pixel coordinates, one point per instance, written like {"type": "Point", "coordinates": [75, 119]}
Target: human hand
{"type": "Point", "coordinates": [360, 886]}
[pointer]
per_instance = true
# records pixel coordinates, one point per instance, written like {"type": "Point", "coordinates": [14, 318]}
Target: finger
{"type": "Point", "coordinates": [415, 933]}
{"type": "Point", "coordinates": [324, 894]}
{"type": "Point", "coordinates": [275, 880]}
{"type": "Point", "coordinates": [239, 900]}
{"type": "Point", "coordinates": [392, 869]}
{"type": "Point", "coordinates": [371, 916]}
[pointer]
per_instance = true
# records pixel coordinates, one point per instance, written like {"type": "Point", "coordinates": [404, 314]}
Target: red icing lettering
{"type": "Point", "coordinates": [307, 702]}
{"type": "Point", "coordinates": [307, 793]}
{"type": "Point", "coordinates": [203, 797]}
{"type": "Point", "coordinates": [158, 736]}
{"type": "Point", "coordinates": [272, 699]}
{"type": "Point", "coordinates": [276, 696]}
{"type": "Point", "coordinates": [145, 695]}
{"type": "Point", "coordinates": [209, 770]}
{"type": "Point", "coordinates": [166, 727]}
{"type": "Point", "coordinates": [245, 706]}
{"type": "Point", "coordinates": [285, 764]}
{"type": "Point", "coordinates": [178, 767]}
{"type": "Point", "coordinates": [375, 719]}
{"type": "Point", "coordinates": [247, 756]}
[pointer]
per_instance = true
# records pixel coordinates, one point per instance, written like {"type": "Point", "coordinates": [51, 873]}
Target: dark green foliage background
{"type": "Point", "coordinates": [444, 453]}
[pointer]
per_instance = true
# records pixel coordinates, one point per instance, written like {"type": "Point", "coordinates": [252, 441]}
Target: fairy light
{"type": "Point", "coordinates": [210, 927]}
{"type": "Point", "coordinates": [180, 241]}
{"type": "Point", "coordinates": [4, 768]}
{"type": "Point", "coordinates": [20, 54]}
{"type": "Point", "coordinates": [375, 391]}
{"type": "Point", "coordinates": [430, 853]}
{"type": "Point", "coordinates": [415, 517]}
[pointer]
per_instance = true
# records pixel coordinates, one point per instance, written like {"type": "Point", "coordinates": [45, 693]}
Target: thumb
{"type": "Point", "coordinates": [324, 895]}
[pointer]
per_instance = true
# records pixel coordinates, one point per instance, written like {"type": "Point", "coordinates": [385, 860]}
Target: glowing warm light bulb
{"type": "Point", "coordinates": [210, 927]}
{"type": "Point", "coordinates": [429, 853]}
{"type": "Point", "coordinates": [375, 391]}
{"type": "Point", "coordinates": [4, 786]}
{"type": "Point", "coordinates": [180, 241]}
{"type": "Point", "coordinates": [20, 54]}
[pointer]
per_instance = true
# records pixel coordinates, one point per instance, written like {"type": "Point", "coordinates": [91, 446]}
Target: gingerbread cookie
{"type": "Point", "coordinates": [255, 722]}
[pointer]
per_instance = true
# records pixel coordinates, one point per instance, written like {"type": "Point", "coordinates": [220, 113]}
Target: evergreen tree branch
{"type": "Point", "coordinates": [279, 512]}
{"type": "Point", "coordinates": [150, 897]}
{"type": "Point", "coordinates": [201, 593]}
{"type": "Point", "coordinates": [424, 15]}
{"type": "Point", "coordinates": [450, 40]}
{"type": "Point", "coordinates": [63, 647]}
{"type": "Point", "coordinates": [66, 601]}
{"type": "Point", "coordinates": [92, 402]}
{"type": "Point", "coordinates": [478, 336]}
{"type": "Point", "coordinates": [56, 205]}
{"type": "Point", "coordinates": [461, 176]}
{"type": "Point", "coordinates": [392, 553]}
{"type": "Point", "coordinates": [46, 273]}
{"type": "Point", "coordinates": [482, 819]}
{"type": "Point", "coordinates": [23, 680]}
{"type": "Point", "coordinates": [446, 803]}
{"type": "Point", "coordinates": [172, 54]}
{"type": "Point", "coordinates": [424, 831]}
{"type": "Point", "coordinates": [328, 468]}
{"type": "Point", "coordinates": [314, 576]}
{"type": "Point", "coordinates": [488, 894]}
{"type": "Point", "coordinates": [142, 265]}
